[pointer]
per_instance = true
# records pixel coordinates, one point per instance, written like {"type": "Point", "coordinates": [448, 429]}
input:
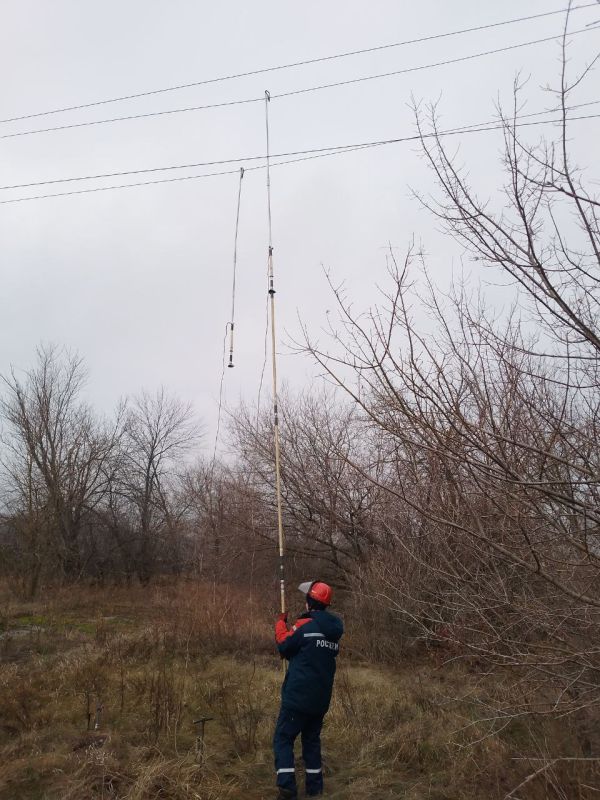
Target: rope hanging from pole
{"type": "Point", "coordinates": [271, 292]}
{"type": "Point", "coordinates": [228, 327]}
{"type": "Point", "coordinates": [235, 241]}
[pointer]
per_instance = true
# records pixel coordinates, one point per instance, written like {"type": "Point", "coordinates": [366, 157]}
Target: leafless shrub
{"type": "Point", "coordinates": [239, 707]}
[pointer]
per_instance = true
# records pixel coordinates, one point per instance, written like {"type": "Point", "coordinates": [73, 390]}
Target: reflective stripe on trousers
{"type": "Point", "coordinates": [290, 725]}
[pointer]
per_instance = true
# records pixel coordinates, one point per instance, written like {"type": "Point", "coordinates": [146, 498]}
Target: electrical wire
{"type": "Point", "coordinates": [419, 68]}
{"type": "Point", "coordinates": [305, 62]}
{"type": "Point", "coordinates": [312, 154]}
{"type": "Point", "coordinates": [292, 93]}
{"type": "Point", "coordinates": [148, 115]}
{"type": "Point", "coordinates": [244, 159]}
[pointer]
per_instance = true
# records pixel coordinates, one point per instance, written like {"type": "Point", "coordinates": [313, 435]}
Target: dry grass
{"type": "Point", "coordinates": [157, 659]}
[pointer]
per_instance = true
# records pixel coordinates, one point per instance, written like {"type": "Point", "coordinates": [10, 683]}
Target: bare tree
{"type": "Point", "coordinates": [490, 427]}
{"type": "Point", "coordinates": [546, 235]}
{"type": "Point", "coordinates": [159, 432]}
{"type": "Point", "coordinates": [57, 457]}
{"type": "Point", "coordinates": [330, 510]}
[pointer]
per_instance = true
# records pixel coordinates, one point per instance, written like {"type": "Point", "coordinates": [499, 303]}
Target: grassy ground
{"type": "Point", "coordinates": [158, 659]}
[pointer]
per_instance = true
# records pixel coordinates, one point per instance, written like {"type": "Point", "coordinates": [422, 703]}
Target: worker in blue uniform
{"type": "Point", "coordinates": [311, 647]}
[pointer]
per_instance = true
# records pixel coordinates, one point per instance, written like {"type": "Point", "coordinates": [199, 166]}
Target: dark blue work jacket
{"type": "Point", "coordinates": [311, 647]}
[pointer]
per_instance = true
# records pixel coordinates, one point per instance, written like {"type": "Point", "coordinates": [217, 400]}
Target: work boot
{"type": "Point", "coordinates": [286, 794]}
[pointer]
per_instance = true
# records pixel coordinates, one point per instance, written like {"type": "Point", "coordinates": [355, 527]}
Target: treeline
{"type": "Point", "coordinates": [132, 497]}
{"type": "Point", "coordinates": [85, 496]}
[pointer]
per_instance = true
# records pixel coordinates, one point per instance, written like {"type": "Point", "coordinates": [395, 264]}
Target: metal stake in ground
{"type": "Point", "coordinates": [200, 725]}
{"type": "Point", "coordinates": [274, 369]}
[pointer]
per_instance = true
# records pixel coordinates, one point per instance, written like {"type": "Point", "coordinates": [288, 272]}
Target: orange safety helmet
{"type": "Point", "coordinates": [317, 590]}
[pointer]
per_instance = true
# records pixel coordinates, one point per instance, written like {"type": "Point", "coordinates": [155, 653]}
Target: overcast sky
{"type": "Point", "coordinates": [138, 281]}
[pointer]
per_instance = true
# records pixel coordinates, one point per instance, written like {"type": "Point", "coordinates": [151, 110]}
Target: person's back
{"type": "Point", "coordinates": [312, 650]}
{"type": "Point", "coordinates": [311, 646]}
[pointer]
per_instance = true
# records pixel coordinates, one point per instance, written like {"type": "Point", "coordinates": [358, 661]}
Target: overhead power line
{"type": "Point", "coordinates": [309, 155]}
{"type": "Point", "coordinates": [419, 68]}
{"type": "Point", "coordinates": [294, 92]}
{"type": "Point", "coordinates": [293, 64]}
{"type": "Point", "coordinates": [245, 159]}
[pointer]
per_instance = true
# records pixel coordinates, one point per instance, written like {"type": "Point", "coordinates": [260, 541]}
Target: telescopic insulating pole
{"type": "Point", "coordinates": [271, 290]}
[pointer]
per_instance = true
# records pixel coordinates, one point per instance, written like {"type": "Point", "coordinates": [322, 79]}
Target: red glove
{"type": "Point", "coordinates": [283, 617]}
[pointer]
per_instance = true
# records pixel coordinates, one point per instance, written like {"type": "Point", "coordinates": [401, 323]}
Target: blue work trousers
{"type": "Point", "coordinates": [289, 725]}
